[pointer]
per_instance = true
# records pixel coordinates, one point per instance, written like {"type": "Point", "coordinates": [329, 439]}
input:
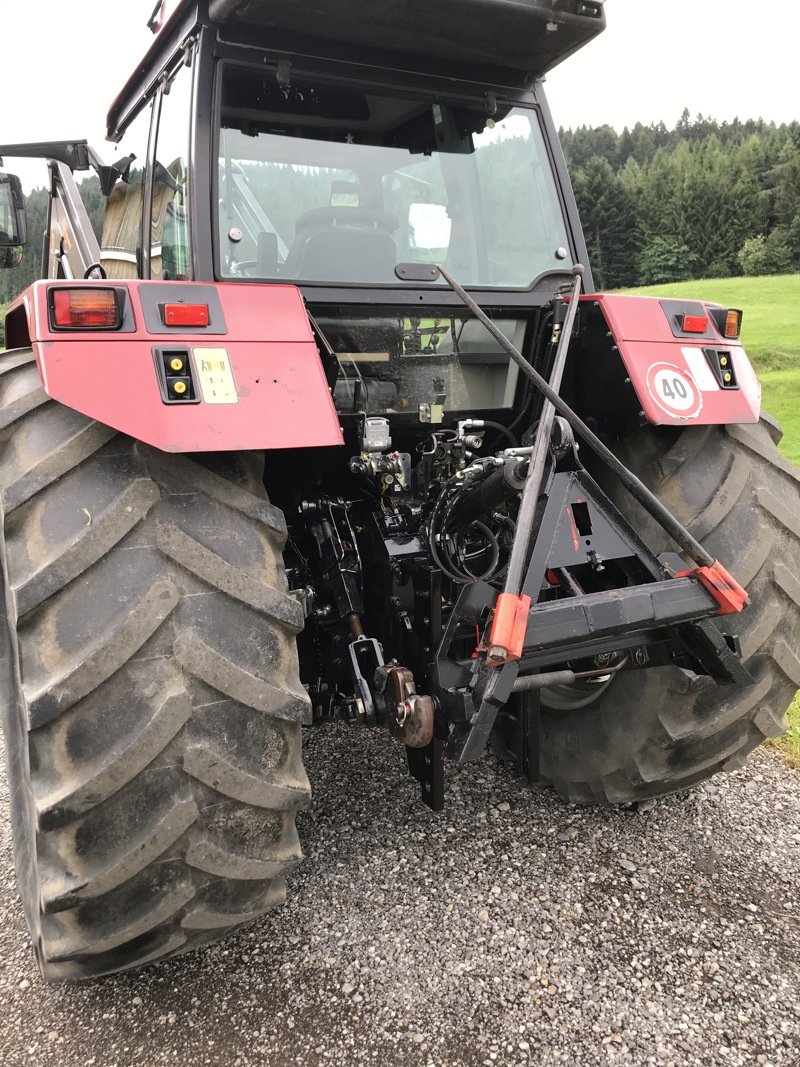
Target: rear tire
{"type": "Point", "coordinates": [652, 732]}
{"type": "Point", "coordinates": [153, 705]}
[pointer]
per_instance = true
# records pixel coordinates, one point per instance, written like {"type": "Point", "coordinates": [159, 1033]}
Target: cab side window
{"type": "Point", "coordinates": [170, 243]}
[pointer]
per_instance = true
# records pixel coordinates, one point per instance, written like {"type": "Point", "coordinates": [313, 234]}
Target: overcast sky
{"type": "Point", "coordinates": [65, 60]}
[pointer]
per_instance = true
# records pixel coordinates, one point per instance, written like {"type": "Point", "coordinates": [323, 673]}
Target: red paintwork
{"type": "Point", "coordinates": [283, 397]}
{"type": "Point", "coordinates": [642, 333]}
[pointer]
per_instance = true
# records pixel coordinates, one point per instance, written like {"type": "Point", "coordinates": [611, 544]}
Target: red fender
{"type": "Point", "coordinates": [670, 369]}
{"type": "Point", "coordinates": [255, 379]}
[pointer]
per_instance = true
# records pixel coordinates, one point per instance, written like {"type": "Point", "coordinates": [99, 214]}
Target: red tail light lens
{"type": "Point", "coordinates": [86, 309]}
{"type": "Point", "coordinates": [186, 314]}
{"type": "Point", "coordinates": [695, 324]}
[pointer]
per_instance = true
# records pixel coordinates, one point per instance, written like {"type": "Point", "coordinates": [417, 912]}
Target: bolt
{"type": "Point", "coordinates": [497, 652]}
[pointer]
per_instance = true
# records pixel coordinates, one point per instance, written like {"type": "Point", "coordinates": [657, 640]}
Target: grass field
{"type": "Point", "coordinates": [781, 398]}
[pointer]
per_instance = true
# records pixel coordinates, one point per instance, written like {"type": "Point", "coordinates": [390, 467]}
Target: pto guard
{"type": "Point", "coordinates": [671, 371]}
{"type": "Point", "coordinates": [255, 374]}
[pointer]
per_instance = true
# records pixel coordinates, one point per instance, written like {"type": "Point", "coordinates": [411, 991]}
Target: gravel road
{"type": "Point", "coordinates": [509, 930]}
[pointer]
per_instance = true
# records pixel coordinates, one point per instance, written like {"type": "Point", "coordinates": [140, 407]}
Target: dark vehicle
{"type": "Point", "coordinates": [331, 425]}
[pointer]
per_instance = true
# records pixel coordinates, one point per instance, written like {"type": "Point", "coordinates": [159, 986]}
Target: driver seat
{"type": "Point", "coordinates": [344, 245]}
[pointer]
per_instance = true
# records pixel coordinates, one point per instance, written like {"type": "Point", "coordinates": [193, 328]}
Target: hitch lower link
{"type": "Point", "coordinates": [384, 693]}
{"type": "Point", "coordinates": [509, 627]}
{"type": "Point", "coordinates": [410, 714]}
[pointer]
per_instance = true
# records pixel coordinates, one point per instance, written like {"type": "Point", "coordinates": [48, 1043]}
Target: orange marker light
{"type": "Point", "coordinates": [86, 309]}
{"type": "Point", "coordinates": [733, 324]}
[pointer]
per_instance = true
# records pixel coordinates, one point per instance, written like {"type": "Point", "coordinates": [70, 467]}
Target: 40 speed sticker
{"type": "Point", "coordinates": [674, 391]}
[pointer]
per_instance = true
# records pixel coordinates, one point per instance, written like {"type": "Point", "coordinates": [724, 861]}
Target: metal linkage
{"type": "Point", "coordinates": [679, 534]}
{"type": "Point", "coordinates": [517, 564]}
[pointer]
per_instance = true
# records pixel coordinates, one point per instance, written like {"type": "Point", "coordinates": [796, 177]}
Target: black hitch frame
{"type": "Point", "coordinates": [658, 619]}
{"type": "Point", "coordinates": [645, 608]}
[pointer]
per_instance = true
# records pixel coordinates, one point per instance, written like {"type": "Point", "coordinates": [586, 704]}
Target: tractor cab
{"type": "Point", "coordinates": [254, 150]}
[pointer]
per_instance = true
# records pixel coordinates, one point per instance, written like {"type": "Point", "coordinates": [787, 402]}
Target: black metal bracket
{"type": "Point", "coordinates": [78, 155]}
{"type": "Point", "coordinates": [580, 531]}
{"type": "Point", "coordinates": [427, 766]}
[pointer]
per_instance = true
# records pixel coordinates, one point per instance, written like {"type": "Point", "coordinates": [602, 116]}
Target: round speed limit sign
{"type": "Point", "coordinates": [674, 391]}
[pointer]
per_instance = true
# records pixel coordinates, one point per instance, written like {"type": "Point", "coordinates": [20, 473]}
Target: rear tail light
{"type": "Point", "coordinates": [87, 308]}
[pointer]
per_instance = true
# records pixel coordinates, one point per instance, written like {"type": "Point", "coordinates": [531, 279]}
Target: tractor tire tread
{"type": "Point", "coordinates": [664, 730]}
{"type": "Point", "coordinates": [154, 720]}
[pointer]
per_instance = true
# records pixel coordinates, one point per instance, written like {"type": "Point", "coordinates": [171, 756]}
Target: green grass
{"type": "Point", "coordinates": [789, 744]}
{"type": "Point", "coordinates": [781, 398]}
{"type": "Point", "coordinates": [771, 306]}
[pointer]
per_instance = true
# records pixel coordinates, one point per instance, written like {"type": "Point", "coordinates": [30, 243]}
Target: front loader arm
{"type": "Point", "coordinates": [71, 249]}
{"type": "Point", "coordinates": [70, 246]}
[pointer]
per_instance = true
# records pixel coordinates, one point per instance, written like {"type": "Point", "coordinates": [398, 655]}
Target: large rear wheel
{"type": "Point", "coordinates": [152, 702]}
{"type": "Point", "coordinates": [646, 733]}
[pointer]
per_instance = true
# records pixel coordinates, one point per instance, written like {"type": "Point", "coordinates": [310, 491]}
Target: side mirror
{"type": "Point", "coordinates": [13, 223]}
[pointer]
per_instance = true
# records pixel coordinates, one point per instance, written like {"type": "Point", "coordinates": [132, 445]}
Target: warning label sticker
{"type": "Point", "coordinates": [674, 391]}
{"type": "Point", "coordinates": [214, 373]}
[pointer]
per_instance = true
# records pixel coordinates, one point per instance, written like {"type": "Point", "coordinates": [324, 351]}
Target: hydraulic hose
{"type": "Point", "coordinates": [498, 428]}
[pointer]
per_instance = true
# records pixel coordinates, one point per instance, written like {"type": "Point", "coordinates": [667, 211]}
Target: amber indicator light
{"type": "Point", "coordinates": [733, 324]}
{"type": "Point", "coordinates": [186, 314]}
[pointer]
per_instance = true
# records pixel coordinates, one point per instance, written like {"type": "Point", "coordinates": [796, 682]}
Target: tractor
{"type": "Point", "coordinates": [331, 425]}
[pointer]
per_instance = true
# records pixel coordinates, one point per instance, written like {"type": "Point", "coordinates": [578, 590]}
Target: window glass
{"type": "Point", "coordinates": [170, 252]}
{"type": "Point", "coordinates": [121, 242]}
{"type": "Point", "coordinates": [405, 363]}
{"type": "Point", "coordinates": [328, 183]}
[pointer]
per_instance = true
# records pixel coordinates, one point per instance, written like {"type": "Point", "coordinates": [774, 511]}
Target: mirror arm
{"type": "Point", "coordinates": [78, 155]}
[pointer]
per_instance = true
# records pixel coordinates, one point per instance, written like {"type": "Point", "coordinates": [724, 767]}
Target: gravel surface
{"type": "Point", "coordinates": [508, 930]}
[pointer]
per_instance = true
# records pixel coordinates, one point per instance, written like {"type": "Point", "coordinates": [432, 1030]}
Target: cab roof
{"type": "Point", "coordinates": [529, 36]}
{"type": "Point", "coordinates": [511, 41]}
